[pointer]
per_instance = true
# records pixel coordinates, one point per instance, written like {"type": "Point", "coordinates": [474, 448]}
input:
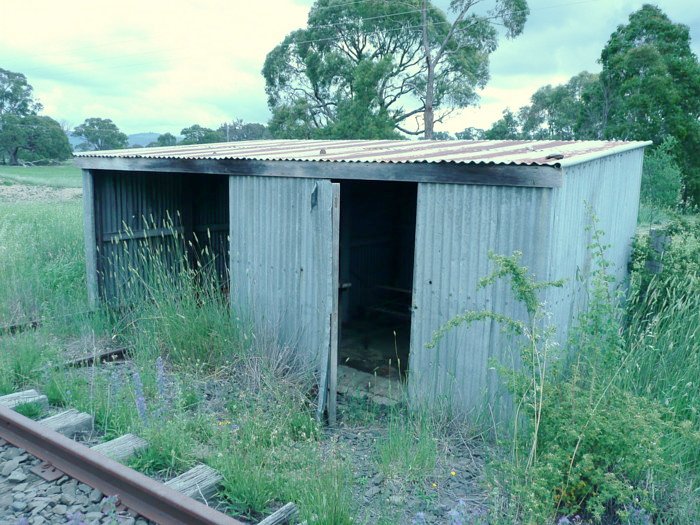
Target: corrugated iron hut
{"type": "Point", "coordinates": [384, 239]}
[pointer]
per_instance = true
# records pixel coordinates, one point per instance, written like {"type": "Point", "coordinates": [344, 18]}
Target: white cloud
{"type": "Point", "coordinates": [150, 66]}
{"type": "Point", "coordinates": [163, 65]}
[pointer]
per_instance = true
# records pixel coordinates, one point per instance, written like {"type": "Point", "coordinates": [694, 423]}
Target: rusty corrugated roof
{"type": "Point", "coordinates": [512, 152]}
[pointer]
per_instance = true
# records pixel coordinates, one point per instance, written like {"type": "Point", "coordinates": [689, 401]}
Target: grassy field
{"type": "Point", "coordinates": [612, 436]}
{"type": "Point", "coordinates": [40, 256]}
{"type": "Point", "coordinates": [64, 176]}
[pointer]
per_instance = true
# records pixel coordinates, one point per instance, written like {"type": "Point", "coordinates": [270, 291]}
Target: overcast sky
{"type": "Point", "coordinates": [154, 65]}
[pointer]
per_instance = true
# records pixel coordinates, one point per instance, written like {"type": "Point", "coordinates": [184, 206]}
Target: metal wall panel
{"type": "Point", "coordinates": [610, 187]}
{"type": "Point", "coordinates": [282, 262]}
{"type": "Point", "coordinates": [456, 228]}
{"type": "Point", "coordinates": [90, 238]}
{"type": "Point", "coordinates": [134, 211]}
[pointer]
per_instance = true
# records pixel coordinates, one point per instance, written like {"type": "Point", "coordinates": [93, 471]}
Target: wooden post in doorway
{"type": "Point", "coordinates": [333, 357]}
{"type": "Point", "coordinates": [90, 237]}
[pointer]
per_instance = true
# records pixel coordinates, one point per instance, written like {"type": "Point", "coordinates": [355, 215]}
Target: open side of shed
{"type": "Point", "coordinates": [183, 219]}
{"type": "Point", "coordinates": [355, 252]}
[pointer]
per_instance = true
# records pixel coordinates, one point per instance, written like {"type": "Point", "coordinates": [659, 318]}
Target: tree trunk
{"type": "Point", "coordinates": [14, 161]}
{"type": "Point", "coordinates": [429, 114]}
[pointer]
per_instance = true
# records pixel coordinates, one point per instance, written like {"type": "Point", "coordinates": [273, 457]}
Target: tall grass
{"type": "Point", "coordinates": [25, 360]}
{"type": "Point", "coordinates": [663, 336]}
{"type": "Point", "coordinates": [257, 424]}
{"type": "Point", "coordinates": [408, 451]}
{"type": "Point", "coordinates": [171, 307]}
{"type": "Point", "coordinates": [42, 268]}
{"type": "Point", "coordinates": [258, 428]}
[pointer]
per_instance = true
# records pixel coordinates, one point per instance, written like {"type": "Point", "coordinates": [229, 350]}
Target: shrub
{"type": "Point", "coordinates": [582, 444]}
{"type": "Point", "coordinates": [662, 177]}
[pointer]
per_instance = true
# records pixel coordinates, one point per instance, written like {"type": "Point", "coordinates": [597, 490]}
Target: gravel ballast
{"type": "Point", "coordinates": [27, 499]}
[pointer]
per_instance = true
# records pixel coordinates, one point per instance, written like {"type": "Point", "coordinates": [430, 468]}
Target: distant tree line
{"type": "Point", "coordinates": [235, 130]}
{"type": "Point", "coordinates": [27, 137]}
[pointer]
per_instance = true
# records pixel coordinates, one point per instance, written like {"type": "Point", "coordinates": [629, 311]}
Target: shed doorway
{"type": "Point", "coordinates": [377, 242]}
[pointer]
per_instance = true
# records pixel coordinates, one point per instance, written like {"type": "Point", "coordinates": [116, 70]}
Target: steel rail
{"type": "Point", "coordinates": [33, 324]}
{"type": "Point", "coordinates": [137, 492]}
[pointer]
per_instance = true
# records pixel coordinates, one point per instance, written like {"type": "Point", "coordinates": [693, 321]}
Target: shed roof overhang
{"type": "Point", "coordinates": [443, 172]}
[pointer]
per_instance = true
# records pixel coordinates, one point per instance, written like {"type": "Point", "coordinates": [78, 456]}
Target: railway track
{"type": "Point", "coordinates": [178, 501]}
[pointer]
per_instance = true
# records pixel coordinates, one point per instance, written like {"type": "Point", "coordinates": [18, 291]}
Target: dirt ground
{"type": "Point", "coordinates": [457, 481]}
{"type": "Point", "coordinates": [11, 192]}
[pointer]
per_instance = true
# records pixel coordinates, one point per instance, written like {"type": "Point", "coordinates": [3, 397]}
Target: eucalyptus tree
{"type": "Point", "coordinates": [16, 95]}
{"type": "Point", "coordinates": [100, 134]}
{"type": "Point", "coordinates": [508, 127]}
{"type": "Point", "coordinates": [653, 77]}
{"type": "Point", "coordinates": [32, 138]}
{"type": "Point", "coordinates": [374, 67]}
{"type": "Point", "coordinates": [24, 136]}
{"type": "Point", "coordinates": [456, 53]}
{"type": "Point", "coordinates": [197, 134]}
{"type": "Point", "coordinates": [165, 139]}
{"type": "Point", "coordinates": [576, 110]}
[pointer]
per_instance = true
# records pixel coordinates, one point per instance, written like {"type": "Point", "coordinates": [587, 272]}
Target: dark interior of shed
{"type": "Point", "coordinates": [377, 240]}
{"type": "Point", "coordinates": [210, 223]}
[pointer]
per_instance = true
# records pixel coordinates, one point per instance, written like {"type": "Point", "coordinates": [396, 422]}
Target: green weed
{"type": "Point", "coordinates": [583, 443]}
{"type": "Point", "coordinates": [272, 456]}
{"type": "Point", "coordinates": [408, 451]}
{"type": "Point", "coordinates": [171, 447]}
{"type": "Point", "coordinates": [30, 410]}
{"type": "Point", "coordinates": [24, 360]}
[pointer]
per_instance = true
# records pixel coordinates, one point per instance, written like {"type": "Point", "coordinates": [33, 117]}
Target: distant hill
{"type": "Point", "coordinates": [142, 139]}
{"type": "Point", "coordinates": [137, 139]}
{"type": "Point", "coordinates": [74, 141]}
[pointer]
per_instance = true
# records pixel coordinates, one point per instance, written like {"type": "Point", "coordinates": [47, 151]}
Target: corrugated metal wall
{"type": "Point", "coordinates": [282, 261]}
{"type": "Point", "coordinates": [610, 186]}
{"type": "Point", "coordinates": [130, 208]}
{"type": "Point", "coordinates": [281, 255]}
{"type": "Point", "coordinates": [456, 227]}
{"type": "Point", "coordinates": [142, 219]}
